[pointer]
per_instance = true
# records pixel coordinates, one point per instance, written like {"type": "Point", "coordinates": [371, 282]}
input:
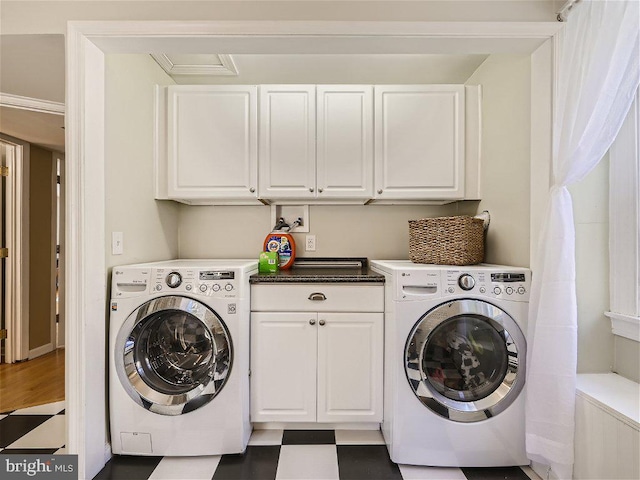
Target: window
{"type": "Point", "coordinates": [624, 227]}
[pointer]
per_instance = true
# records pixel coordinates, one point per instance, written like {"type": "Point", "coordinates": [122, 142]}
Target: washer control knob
{"type": "Point", "coordinates": [497, 290]}
{"type": "Point", "coordinates": [228, 287]}
{"type": "Point", "coordinates": [466, 281]}
{"type": "Point", "coordinates": [508, 290]}
{"type": "Point", "coordinates": [483, 290]}
{"type": "Point", "coordinates": [215, 287]}
{"type": "Point", "coordinates": [174, 280]}
{"type": "Point", "coordinates": [188, 287]}
{"type": "Point", "coordinates": [203, 288]}
{"type": "Point", "coordinates": [521, 290]}
{"type": "Point", "coordinates": [158, 287]}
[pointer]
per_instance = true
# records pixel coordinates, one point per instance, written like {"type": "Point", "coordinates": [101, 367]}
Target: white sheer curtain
{"type": "Point", "coordinates": [597, 77]}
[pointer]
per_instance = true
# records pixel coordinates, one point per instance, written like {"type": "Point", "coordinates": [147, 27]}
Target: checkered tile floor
{"type": "Point", "coordinates": [38, 429]}
{"type": "Point", "coordinates": [271, 455]}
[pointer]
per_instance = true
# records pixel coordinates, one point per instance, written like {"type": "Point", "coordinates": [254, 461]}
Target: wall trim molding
{"type": "Point", "coordinates": [624, 227]}
{"type": "Point", "coordinates": [625, 325]}
{"type": "Point", "coordinates": [41, 350]}
{"type": "Point", "coordinates": [17, 264]}
{"type": "Point", "coordinates": [32, 104]}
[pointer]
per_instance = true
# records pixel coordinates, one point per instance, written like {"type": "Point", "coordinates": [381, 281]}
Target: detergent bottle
{"type": "Point", "coordinates": [279, 240]}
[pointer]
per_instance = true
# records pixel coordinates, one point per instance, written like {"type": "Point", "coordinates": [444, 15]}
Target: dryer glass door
{"type": "Point", "coordinates": [174, 355]}
{"type": "Point", "coordinates": [465, 360]}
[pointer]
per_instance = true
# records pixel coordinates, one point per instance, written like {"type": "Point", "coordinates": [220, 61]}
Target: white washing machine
{"type": "Point", "coordinates": [179, 357]}
{"type": "Point", "coordinates": [455, 357]}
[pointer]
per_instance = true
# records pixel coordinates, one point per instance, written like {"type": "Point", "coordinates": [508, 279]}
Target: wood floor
{"type": "Point", "coordinates": [33, 382]}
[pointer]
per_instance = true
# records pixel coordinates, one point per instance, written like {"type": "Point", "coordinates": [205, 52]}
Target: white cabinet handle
{"type": "Point", "coordinates": [317, 297]}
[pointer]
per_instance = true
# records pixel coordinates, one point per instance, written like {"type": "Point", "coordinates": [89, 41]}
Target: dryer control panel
{"type": "Point", "coordinates": [210, 283]}
{"type": "Point", "coordinates": [507, 285]}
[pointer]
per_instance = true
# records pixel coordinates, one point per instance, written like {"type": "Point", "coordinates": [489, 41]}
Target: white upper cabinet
{"type": "Point", "coordinates": [345, 141]}
{"type": "Point", "coordinates": [420, 142]}
{"type": "Point", "coordinates": [287, 141]}
{"type": "Point", "coordinates": [212, 142]}
{"type": "Point", "coordinates": [316, 142]}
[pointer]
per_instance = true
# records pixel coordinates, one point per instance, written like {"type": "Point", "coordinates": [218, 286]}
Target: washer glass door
{"type": "Point", "coordinates": [465, 360]}
{"type": "Point", "coordinates": [173, 355]}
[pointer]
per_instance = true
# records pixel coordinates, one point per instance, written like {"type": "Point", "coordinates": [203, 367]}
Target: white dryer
{"type": "Point", "coordinates": [179, 357]}
{"type": "Point", "coordinates": [455, 357]}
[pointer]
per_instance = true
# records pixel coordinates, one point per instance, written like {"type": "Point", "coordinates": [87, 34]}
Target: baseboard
{"type": "Point", "coordinates": [543, 471]}
{"type": "Point", "coordinates": [39, 351]}
{"type": "Point", "coordinates": [107, 452]}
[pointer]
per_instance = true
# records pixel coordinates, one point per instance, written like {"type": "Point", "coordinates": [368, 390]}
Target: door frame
{"type": "Point", "coordinates": [87, 43]}
{"type": "Point", "coordinates": [58, 332]}
{"type": "Point", "coordinates": [16, 289]}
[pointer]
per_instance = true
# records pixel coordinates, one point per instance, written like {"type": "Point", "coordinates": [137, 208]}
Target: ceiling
{"type": "Point", "coordinates": [43, 129]}
{"type": "Point", "coordinates": [33, 66]}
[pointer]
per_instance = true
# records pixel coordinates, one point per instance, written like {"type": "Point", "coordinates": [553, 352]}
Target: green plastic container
{"type": "Point", "coordinates": [268, 262]}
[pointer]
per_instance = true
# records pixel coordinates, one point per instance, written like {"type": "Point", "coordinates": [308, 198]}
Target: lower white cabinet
{"type": "Point", "coordinates": [316, 367]}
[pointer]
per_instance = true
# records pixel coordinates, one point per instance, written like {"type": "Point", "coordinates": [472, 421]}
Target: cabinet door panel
{"type": "Point", "coordinates": [283, 367]}
{"type": "Point", "coordinates": [345, 141]}
{"type": "Point", "coordinates": [287, 141]}
{"type": "Point", "coordinates": [420, 141]}
{"type": "Point", "coordinates": [350, 367]}
{"type": "Point", "coordinates": [212, 144]}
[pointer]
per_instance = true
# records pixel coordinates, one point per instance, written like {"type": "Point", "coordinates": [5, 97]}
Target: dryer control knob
{"type": "Point", "coordinates": [174, 280]}
{"type": "Point", "coordinates": [466, 281]}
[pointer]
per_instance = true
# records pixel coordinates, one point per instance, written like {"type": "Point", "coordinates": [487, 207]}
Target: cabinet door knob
{"type": "Point", "coordinates": [312, 322]}
{"type": "Point", "coordinates": [319, 190]}
{"type": "Point", "coordinates": [317, 297]}
{"type": "Point", "coordinates": [321, 322]}
{"type": "Point", "coordinates": [311, 190]}
{"type": "Point", "coordinates": [252, 190]}
{"type": "Point", "coordinates": [380, 191]}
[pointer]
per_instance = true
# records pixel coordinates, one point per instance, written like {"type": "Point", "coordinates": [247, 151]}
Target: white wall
{"type": "Point", "coordinates": [150, 227]}
{"type": "Point", "coordinates": [505, 177]}
{"type": "Point", "coordinates": [591, 218]}
{"type": "Point", "coordinates": [626, 359]}
{"type": "Point", "coordinates": [373, 231]}
{"type": "Point", "coordinates": [19, 16]}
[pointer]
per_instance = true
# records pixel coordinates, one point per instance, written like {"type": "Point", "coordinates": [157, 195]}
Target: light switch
{"type": "Point", "coordinates": [117, 243]}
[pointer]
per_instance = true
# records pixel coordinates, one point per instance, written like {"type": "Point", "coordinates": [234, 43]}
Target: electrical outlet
{"type": "Point", "coordinates": [310, 243]}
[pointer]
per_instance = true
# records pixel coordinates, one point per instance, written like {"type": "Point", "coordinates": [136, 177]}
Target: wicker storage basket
{"type": "Point", "coordinates": [447, 240]}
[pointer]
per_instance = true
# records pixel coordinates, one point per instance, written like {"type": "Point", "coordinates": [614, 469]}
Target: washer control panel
{"type": "Point", "coordinates": [508, 285]}
{"type": "Point", "coordinates": [212, 283]}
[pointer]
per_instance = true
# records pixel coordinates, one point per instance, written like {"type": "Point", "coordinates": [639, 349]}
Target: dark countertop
{"type": "Point", "coordinates": [313, 270]}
